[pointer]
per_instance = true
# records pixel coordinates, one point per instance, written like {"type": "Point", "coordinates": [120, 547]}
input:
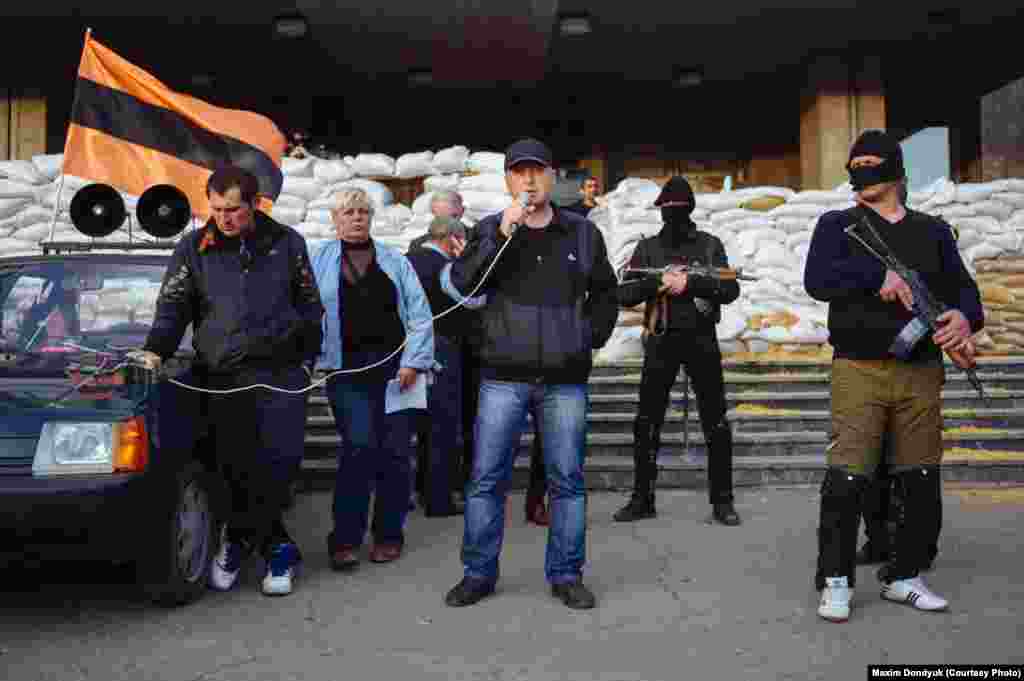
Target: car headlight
{"type": "Point", "coordinates": [76, 448]}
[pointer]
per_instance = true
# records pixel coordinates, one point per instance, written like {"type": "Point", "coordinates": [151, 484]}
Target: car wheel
{"type": "Point", "coordinates": [176, 569]}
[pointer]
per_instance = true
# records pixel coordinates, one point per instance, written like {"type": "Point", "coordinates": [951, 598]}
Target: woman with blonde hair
{"type": "Point", "coordinates": [374, 301]}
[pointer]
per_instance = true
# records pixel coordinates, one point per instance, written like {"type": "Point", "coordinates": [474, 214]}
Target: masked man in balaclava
{"type": "Point", "coordinates": [887, 371]}
{"type": "Point", "coordinates": [679, 329]}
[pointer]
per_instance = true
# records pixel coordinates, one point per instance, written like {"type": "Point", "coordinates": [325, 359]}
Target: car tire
{"type": "Point", "coordinates": [175, 569]}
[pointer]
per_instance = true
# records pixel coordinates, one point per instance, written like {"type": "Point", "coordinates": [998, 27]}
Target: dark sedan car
{"type": "Point", "coordinates": [98, 458]}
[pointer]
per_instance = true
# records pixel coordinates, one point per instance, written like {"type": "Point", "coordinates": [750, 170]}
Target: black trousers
{"type": "Point", "coordinates": [260, 440]}
{"type": "Point", "coordinates": [699, 353]}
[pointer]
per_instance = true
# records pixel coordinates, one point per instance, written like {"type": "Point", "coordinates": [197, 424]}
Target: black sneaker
{"type": "Point", "coordinates": [575, 595]}
{"type": "Point", "coordinates": [468, 592]}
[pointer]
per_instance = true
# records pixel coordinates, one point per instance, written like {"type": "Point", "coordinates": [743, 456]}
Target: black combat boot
{"type": "Point", "coordinates": [647, 440]}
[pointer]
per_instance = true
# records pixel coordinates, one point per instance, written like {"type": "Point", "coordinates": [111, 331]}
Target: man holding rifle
{"type": "Point", "coordinates": [887, 370]}
{"type": "Point", "coordinates": [682, 310]}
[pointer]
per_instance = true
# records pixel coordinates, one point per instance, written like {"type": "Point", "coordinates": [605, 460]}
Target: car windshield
{"type": "Point", "coordinates": [61, 313]}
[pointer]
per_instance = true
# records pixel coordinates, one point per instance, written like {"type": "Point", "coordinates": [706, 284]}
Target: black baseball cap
{"type": "Point", "coordinates": [528, 150]}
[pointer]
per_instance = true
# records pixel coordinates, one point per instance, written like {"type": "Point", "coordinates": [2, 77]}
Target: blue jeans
{"type": "Point", "coordinates": [562, 423]}
{"type": "Point", "coordinates": [374, 454]}
{"type": "Point", "coordinates": [444, 404]}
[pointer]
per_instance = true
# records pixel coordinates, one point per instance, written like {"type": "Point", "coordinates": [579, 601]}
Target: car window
{"type": "Point", "coordinates": [95, 303]}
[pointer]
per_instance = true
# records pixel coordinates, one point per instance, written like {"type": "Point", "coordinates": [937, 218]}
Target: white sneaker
{"type": "Point", "coordinates": [280, 570]}
{"type": "Point", "coordinates": [835, 600]}
{"type": "Point", "coordinates": [914, 592]}
{"type": "Point", "coordinates": [227, 564]}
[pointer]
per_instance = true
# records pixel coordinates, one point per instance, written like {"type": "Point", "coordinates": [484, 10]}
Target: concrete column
{"type": "Point", "coordinates": [27, 124]}
{"type": "Point", "coordinates": [840, 100]}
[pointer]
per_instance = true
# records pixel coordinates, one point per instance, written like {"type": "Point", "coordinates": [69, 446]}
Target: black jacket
{"type": "Point", "coordinates": [263, 310]}
{"type": "Point", "coordinates": [669, 247]}
{"type": "Point", "coordinates": [842, 273]}
{"type": "Point", "coordinates": [456, 325]}
{"type": "Point", "coordinates": [544, 314]}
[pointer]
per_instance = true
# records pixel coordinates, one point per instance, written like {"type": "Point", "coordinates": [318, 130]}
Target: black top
{"type": "Point", "coordinates": [371, 324]}
{"type": "Point", "coordinates": [841, 272]}
{"type": "Point", "coordinates": [428, 263]}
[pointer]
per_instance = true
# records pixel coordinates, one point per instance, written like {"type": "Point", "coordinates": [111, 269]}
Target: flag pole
{"type": "Point", "coordinates": [67, 137]}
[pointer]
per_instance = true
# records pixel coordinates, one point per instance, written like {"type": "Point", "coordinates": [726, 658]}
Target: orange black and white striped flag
{"type": "Point", "coordinates": [131, 131]}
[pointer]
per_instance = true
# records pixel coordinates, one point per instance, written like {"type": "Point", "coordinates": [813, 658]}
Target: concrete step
{"type": "Point", "coordinates": [752, 421]}
{"type": "Point", "coordinates": [775, 444]}
{"type": "Point", "coordinates": [616, 473]}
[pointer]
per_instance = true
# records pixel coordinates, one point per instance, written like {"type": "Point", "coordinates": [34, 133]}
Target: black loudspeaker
{"type": "Point", "coordinates": [163, 211]}
{"type": "Point", "coordinates": [97, 210]}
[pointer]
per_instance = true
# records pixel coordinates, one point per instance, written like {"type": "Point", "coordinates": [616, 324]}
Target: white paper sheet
{"type": "Point", "coordinates": [413, 398]}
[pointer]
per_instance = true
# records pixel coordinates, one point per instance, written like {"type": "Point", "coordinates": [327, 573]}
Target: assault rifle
{"type": "Point", "coordinates": [723, 273]}
{"type": "Point", "coordinates": [926, 307]}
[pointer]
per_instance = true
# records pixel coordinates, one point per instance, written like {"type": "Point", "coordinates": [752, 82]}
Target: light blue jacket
{"type": "Point", "coordinates": [413, 307]}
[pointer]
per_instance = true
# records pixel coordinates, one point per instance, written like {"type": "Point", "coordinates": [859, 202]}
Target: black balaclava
{"type": "Point", "coordinates": [886, 147]}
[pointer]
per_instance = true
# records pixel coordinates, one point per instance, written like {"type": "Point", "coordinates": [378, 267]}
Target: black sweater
{"type": "Point", "coordinates": [842, 273]}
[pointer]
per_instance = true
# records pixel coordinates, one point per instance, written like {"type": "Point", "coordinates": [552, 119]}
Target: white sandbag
{"type": "Point", "coordinates": [968, 238]}
{"type": "Point", "coordinates": [993, 208]}
{"type": "Point", "coordinates": [21, 171]}
{"type": "Point", "coordinates": [486, 202]}
{"type": "Point", "coordinates": [758, 192]}
{"type": "Point", "coordinates": [794, 240]}
{"type": "Point", "coordinates": [485, 182]}
{"type": "Point", "coordinates": [700, 215]}
{"type": "Point", "coordinates": [731, 325]}
{"type": "Point", "coordinates": [799, 210]}
{"type": "Point", "coordinates": [315, 230]}
{"type": "Point", "coordinates": [757, 346]}
{"type": "Point", "coordinates": [972, 192]}
{"type": "Point", "coordinates": [773, 254]}
{"type": "Point", "coordinates": [419, 164]}
{"type": "Point", "coordinates": [7, 226]}
{"type": "Point", "coordinates": [985, 225]}
{"type": "Point", "coordinates": [374, 165]}
{"type": "Point", "coordinates": [770, 334]}
{"type": "Point", "coordinates": [983, 250]}
{"type": "Point", "coordinates": [439, 182]}
{"type": "Point", "coordinates": [720, 202]}
{"type": "Point", "coordinates": [645, 216]}
{"type": "Point", "coordinates": [811, 313]}
{"type": "Point", "coordinates": [1013, 199]}
{"type": "Point", "coordinates": [297, 167]}
{"type": "Point", "coordinates": [48, 165]}
{"type": "Point", "coordinates": [818, 197]}
{"type": "Point", "coordinates": [732, 215]}
{"type": "Point", "coordinates": [1008, 241]}
{"type": "Point", "coordinates": [800, 251]}
{"type": "Point", "coordinates": [379, 193]}
{"type": "Point", "coordinates": [421, 205]}
{"type": "Point", "coordinates": [320, 216]}
{"type": "Point", "coordinates": [10, 189]}
{"type": "Point", "coordinates": [332, 172]}
{"type": "Point", "coordinates": [34, 232]}
{"type": "Point", "coordinates": [397, 213]}
{"type": "Point", "coordinates": [753, 225]}
{"type": "Point", "coordinates": [486, 162]}
{"type": "Point", "coordinates": [308, 188]}
{"type": "Point", "coordinates": [451, 160]}
{"type": "Point", "coordinates": [792, 225]}
{"type": "Point", "coordinates": [750, 240]}
{"type": "Point", "coordinates": [732, 347]}
{"type": "Point", "coordinates": [11, 207]}
{"type": "Point", "coordinates": [633, 184]}
{"type": "Point", "coordinates": [1013, 184]}
{"type": "Point", "coordinates": [956, 210]}
{"type": "Point", "coordinates": [289, 201]}
{"type": "Point", "coordinates": [807, 333]}
{"type": "Point", "coordinates": [764, 290]}
{"type": "Point", "coordinates": [288, 215]}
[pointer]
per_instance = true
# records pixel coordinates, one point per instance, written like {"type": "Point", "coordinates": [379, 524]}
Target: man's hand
{"type": "Point", "coordinates": [674, 282]}
{"type": "Point", "coordinates": [895, 289]}
{"type": "Point", "coordinates": [406, 378]}
{"type": "Point", "coordinates": [514, 215]}
{"type": "Point", "coordinates": [955, 331]}
{"type": "Point", "coordinates": [458, 245]}
{"type": "Point", "coordinates": [148, 359]}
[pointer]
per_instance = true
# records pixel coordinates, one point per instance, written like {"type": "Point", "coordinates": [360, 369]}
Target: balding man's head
{"type": "Point", "coordinates": [447, 204]}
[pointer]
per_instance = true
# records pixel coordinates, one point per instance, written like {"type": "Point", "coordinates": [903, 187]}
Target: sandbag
{"type": "Point", "coordinates": [771, 253]}
{"type": "Point", "coordinates": [439, 182]}
{"type": "Point", "coordinates": [982, 225]}
{"type": "Point", "coordinates": [993, 208]}
{"type": "Point", "coordinates": [968, 238]}
{"type": "Point", "coordinates": [297, 167]}
{"type": "Point", "coordinates": [487, 203]}
{"type": "Point", "coordinates": [984, 250]}
{"type": "Point", "coordinates": [21, 171]}
{"type": "Point", "coordinates": [486, 162]}
{"type": "Point", "coordinates": [374, 165]}
{"type": "Point", "coordinates": [11, 207]}
{"type": "Point", "coordinates": [11, 189]}
{"type": "Point", "coordinates": [799, 210]}
{"type": "Point", "coordinates": [731, 326]}
{"type": "Point", "coordinates": [795, 225]}
{"type": "Point", "coordinates": [332, 172]}
{"type": "Point", "coordinates": [419, 164]}
{"type": "Point", "coordinates": [726, 217]}
{"type": "Point", "coordinates": [485, 182]}
{"type": "Point", "coordinates": [48, 165]}
{"type": "Point", "coordinates": [308, 188]}
{"type": "Point", "coordinates": [451, 160]}
{"type": "Point", "coordinates": [763, 203]}
{"type": "Point", "coordinates": [996, 294]}
{"type": "Point", "coordinates": [288, 215]}
{"type": "Point", "coordinates": [320, 216]}
{"type": "Point", "coordinates": [819, 197]}
{"type": "Point", "coordinates": [1008, 241]}
{"type": "Point", "coordinates": [288, 201]}
{"type": "Point", "coordinates": [972, 192]}
{"type": "Point", "coordinates": [421, 205]}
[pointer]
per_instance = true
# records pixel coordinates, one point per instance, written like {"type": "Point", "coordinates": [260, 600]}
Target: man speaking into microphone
{"type": "Point", "coordinates": [551, 300]}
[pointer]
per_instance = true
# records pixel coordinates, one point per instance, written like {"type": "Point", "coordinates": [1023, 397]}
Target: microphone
{"type": "Point", "coordinates": [524, 198]}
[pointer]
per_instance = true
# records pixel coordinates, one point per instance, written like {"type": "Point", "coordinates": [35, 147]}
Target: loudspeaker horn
{"type": "Point", "coordinates": [163, 211]}
{"type": "Point", "coordinates": [97, 210]}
